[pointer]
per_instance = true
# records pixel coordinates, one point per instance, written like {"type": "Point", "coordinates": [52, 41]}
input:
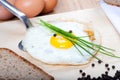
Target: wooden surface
{"type": "Point", "coordinates": [12, 32]}
{"type": "Point", "coordinates": [70, 5]}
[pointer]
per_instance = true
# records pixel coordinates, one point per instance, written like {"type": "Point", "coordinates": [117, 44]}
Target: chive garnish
{"type": "Point", "coordinates": [79, 42]}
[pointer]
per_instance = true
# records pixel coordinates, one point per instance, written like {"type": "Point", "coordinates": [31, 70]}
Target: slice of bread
{"type": "Point", "coordinates": [113, 2]}
{"type": "Point", "coordinates": [14, 67]}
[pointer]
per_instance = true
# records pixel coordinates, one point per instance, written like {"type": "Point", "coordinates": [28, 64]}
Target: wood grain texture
{"type": "Point", "coordinates": [70, 5]}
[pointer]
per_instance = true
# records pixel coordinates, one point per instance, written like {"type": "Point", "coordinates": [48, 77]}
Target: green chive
{"type": "Point", "coordinates": [79, 42]}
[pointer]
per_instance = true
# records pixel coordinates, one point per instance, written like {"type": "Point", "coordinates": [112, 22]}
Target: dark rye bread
{"type": "Point", "coordinates": [113, 2]}
{"type": "Point", "coordinates": [14, 67]}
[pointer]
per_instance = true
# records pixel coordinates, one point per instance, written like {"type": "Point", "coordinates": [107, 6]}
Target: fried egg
{"type": "Point", "coordinates": [52, 48]}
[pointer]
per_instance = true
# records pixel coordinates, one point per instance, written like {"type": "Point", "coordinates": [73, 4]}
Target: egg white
{"type": "Point", "coordinates": [37, 44]}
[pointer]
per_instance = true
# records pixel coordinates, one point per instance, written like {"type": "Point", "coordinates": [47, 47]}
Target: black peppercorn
{"type": "Point", "coordinates": [79, 78]}
{"type": "Point", "coordinates": [99, 78]}
{"type": "Point", "coordinates": [106, 65]}
{"type": "Point", "coordinates": [80, 71]}
{"type": "Point", "coordinates": [92, 64]}
{"type": "Point", "coordinates": [113, 67]}
{"type": "Point", "coordinates": [88, 77]}
{"type": "Point", "coordinates": [70, 31]}
{"type": "Point", "coordinates": [108, 69]}
{"type": "Point", "coordinates": [99, 61]}
{"type": "Point", "coordinates": [93, 78]}
{"type": "Point", "coordinates": [54, 35]}
{"type": "Point", "coordinates": [83, 74]}
{"type": "Point", "coordinates": [106, 72]}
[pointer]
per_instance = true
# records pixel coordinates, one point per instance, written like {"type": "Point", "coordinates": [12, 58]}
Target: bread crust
{"type": "Point", "coordinates": [27, 62]}
{"type": "Point", "coordinates": [113, 2]}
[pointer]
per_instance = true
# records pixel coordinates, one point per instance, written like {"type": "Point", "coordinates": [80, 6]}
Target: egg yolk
{"type": "Point", "coordinates": [60, 42]}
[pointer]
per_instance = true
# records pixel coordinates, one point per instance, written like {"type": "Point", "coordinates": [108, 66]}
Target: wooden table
{"type": "Point", "coordinates": [70, 5]}
{"type": "Point", "coordinates": [11, 33]}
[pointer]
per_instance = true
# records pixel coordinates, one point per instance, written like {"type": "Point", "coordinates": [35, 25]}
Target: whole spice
{"type": "Point", "coordinates": [106, 65]}
{"type": "Point", "coordinates": [83, 74]}
{"type": "Point", "coordinates": [54, 35]}
{"type": "Point", "coordinates": [99, 61]}
{"type": "Point", "coordinates": [70, 31]}
{"type": "Point", "coordinates": [93, 65]}
{"type": "Point", "coordinates": [80, 71]}
{"type": "Point", "coordinates": [108, 69]}
{"type": "Point", "coordinates": [104, 76]}
{"type": "Point", "coordinates": [113, 67]}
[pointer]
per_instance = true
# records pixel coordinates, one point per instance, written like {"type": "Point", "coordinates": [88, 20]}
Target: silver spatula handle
{"type": "Point", "coordinates": [16, 12]}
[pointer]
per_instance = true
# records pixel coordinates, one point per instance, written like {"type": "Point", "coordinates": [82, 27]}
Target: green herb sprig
{"type": "Point", "coordinates": [79, 42]}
